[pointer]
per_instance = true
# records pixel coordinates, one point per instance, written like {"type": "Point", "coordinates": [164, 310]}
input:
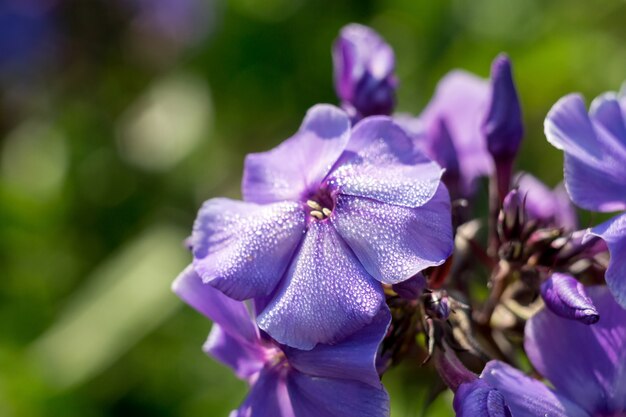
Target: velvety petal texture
{"type": "Point", "coordinates": [613, 232]}
{"type": "Point", "coordinates": [364, 67]}
{"type": "Point", "coordinates": [394, 242]}
{"type": "Point", "coordinates": [242, 248]}
{"type": "Point", "coordinates": [479, 399]}
{"type": "Point", "coordinates": [325, 296]}
{"type": "Point", "coordinates": [566, 297]}
{"type": "Point", "coordinates": [268, 397]}
{"type": "Point", "coordinates": [352, 358]}
{"type": "Point", "coordinates": [461, 101]}
{"type": "Point", "coordinates": [527, 397]}
{"type": "Point", "coordinates": [296, 166]}
{"type": "Point", "coordinates": [380, 163]}
{"type": "Point", "coordinates": [595, 150]}
{"type": "Point", "coordinates": [587, 364]}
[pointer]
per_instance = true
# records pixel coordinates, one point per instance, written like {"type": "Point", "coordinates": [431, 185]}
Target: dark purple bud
{"type": "Point", "coordinates": [511, 218]}
{"type": "Point", "coordinates": [503, 128]}
{"type": "Point", "coordinates": [412, 288]}
{"type": "Point", "coordinates": [364, 66]}
{"type": "Point", "coordinates": [503, 125]}
{"type": "Point", "coordinates": [437, 304]}
{"type": "Point", "coordinates": [566, 297]}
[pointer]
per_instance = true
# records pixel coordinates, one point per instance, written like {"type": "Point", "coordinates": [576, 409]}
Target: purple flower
{"type": "Point", "coordinates": [595, 168]}
{"type": "Point", "coordinates": [364, 66]}
{"type": "Point", "coordinates": [566, 297]}
{"type": "Point", "coordinates": [550, 207]}
{"type": "Point", "coordinates": [328, 216]}
{"type": "Point", "coordinates": [585, 364]}
{"type": "Point", "coordinates": [327, 381]}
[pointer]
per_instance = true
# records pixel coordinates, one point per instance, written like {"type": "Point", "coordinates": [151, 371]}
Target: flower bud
{"type": "Point", "coordinates": [503, 127]}
{"type": "Point", "coordinates": [437, 304]}
{"type": "Point", "coordinates": [364, 66]}
{"type": "Point", "coordinates": [566, 297]}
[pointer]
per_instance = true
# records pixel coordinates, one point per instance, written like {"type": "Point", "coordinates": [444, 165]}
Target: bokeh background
{"type": "Point", "coordinates": [119, 117]}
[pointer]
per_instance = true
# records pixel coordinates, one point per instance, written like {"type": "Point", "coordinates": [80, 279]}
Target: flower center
{"type": "Point", "coordinates": [321, 204]}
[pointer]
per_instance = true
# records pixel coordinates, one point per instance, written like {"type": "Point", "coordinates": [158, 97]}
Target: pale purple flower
{"type": "Point", "coordinates": [594, 144]}
{"type": "Point", "coordinates": [328, 216]}
{"type": "Point", "coordinates": [327, 381]}
{"type": "Point", "coordinates": [364, 66]}
{"type": "Point", "coordinates": [566, 297]}
{"type": "Point", "coordinates": [585, 365]}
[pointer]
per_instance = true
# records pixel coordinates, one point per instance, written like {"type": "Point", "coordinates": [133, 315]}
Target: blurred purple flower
{"type": "Point", "coordinates": [27, 34]}
{"type": "Point", "coordinates": [328, 216]}
{"type": "Point", "coordinates": [585, 364]}
{"type": "Point", "coordinates": [550, 207]}
{"type": "Point", "coordinates": [364, 66]}
{"type": "Point", "coordinates": [566, 297]}
{"type": "Point", "coordinates": [595, 169]}
{"type": "Point", "coordinates": [328, 381]}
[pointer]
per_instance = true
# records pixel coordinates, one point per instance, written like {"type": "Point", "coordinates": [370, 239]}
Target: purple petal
{"type": "Point", "coordinates": [325, 296]}
{"type": "Point", "coordinates": [268, 397]}
{"type": "Point", "coordinates": [297, 165]}
{"type": "Point", "coordinates": [585, 363]}
{"type": "Point", "coordinates": [527, 397]}
{"type": "Point", "coordinates": [503, 126]}
{"type": "Point", "coordinates": [380, 163]}
{"type": "Point", "coordinates": [461, 100]}
{"type": "Point", "coordinates": [412, 288]}
{"type": "Point", "coordinates": [231, 315]}
{"type": "Point", "coordinates": [595, 168]}
{"type": "Point", "coordinates": [393, 242]}
{"type": "Point", "coordinates": [552, 207]}
{"type": "Point", "coordinates": [245, 358]}
{"type": "Point", "coordinates": [352, 358]}
{"type": "Point", "coordinates": [326, 397]}
{"type": "Point", "coordinates": [243, 249]}
{"type": "Point", "coordinates": [477, 398]}
{"type": "Point", "coordinates": [613, 232]}
{"type": "Point", "coordinates": [565, 296]}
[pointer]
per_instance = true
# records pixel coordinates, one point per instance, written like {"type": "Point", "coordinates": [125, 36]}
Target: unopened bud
{"type": "Point", "coordinates": [566, 297]}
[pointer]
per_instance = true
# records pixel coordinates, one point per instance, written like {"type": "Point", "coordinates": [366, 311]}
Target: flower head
{"type": "Point", "coordinates": [364, 66]}
{"type": "Point", "coordinates": [328, 216]}
{"type": "Point", "coordinates": [327, 381]}
{"type": "Point", "coordinates": [594, 144]}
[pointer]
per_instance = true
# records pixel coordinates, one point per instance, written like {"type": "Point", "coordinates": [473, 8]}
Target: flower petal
{"type": "Point", "coordinates": [297, 165]}
{"type": "Point", "coordinates": [585, 363]}
{"type": "Point", "coordinates": [549, 206]}
{"type": "Point", "coordinates": [380, 163]}
{"type": "Point", "coordinates": [231, 315]}
{"type": "Point", "coordinates": [393, 242]}
{"type": "Point", "coordinates": [245, 358]}
{"type": "Point", "coordinates": [243, 249]}
{"type": "Point", "coordinates": [326, 294]}
{"type": "Point", "coordinates": [613, 232]}
{"type": "Point", "coordinates": [461, 101]}
{"type": "Point", "coordinates": [527, 397]}
{"type": "Point", "coordinates": [326, 397]}
{"type": "Point", "coordinates": [268, 397]}
{"type": "Point", "coordinates": [477, 398]}
{"type": "Point", "coordinates": [353, 358]}
{"type": "Point", "coordinates": [595, 168]}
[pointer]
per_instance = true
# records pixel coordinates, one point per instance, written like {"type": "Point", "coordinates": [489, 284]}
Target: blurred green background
{"type": "Point", "coordinates": [119, 117]}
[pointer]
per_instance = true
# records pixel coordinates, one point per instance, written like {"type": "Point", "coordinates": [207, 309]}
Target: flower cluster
{"type": "Point", "coordinates": [358, 233]}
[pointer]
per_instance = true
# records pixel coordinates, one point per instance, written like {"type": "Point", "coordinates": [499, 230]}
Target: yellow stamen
{"type": "Point", "coordinates": [317, 214]}
{"type": "Point", "coordinates": [314, 205]}
{"type": "Point", "coordinates": [326, 212]}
